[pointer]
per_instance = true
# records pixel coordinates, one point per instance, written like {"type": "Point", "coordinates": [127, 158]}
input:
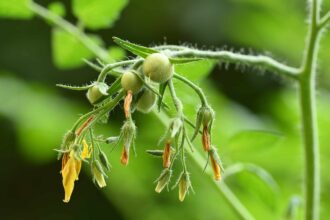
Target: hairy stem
{"type": "Point", "coordinates": [242, 59]}
{"type": "Point", "coordinates": [309, 118]}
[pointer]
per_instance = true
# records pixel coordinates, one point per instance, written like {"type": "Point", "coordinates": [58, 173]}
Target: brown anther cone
{"type": "Point", "coordinates": [124, 157]}
{"type": "Point", "coordinates": [127, 103]}
{"type": "Point", "coordinates": [65, 159]}
{"type": "Point", "coordinates": [206, 139]}
{"type": "Point", "coordinates": [216, 168]}
{"type": "Point", "coordinates": [167, 155]}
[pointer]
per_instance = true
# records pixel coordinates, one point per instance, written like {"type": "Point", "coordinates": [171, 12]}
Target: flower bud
{"type": "Point", "coordinates": [184, 185]}
{"type": "Point", "coordinates": [175, 127]}
{"type": "Point", "coordinates": [163, 180]}
{"type": "Point", "coordinates": [98, 90]}
{"type": "Point", "coordinates": [158, 67]}
{"type": "Point", "coordinates": [131, 82]}
{"type": "Point", "coordinates": [207, 115]}
{"type": "Point", "coordinates": [111, 140]}
{"type": "Point", "coordinates": [146, 102]}
{"type": "Point", "coordinates": [215, 163]}
{"type": "Point", "coordinates": [128, 133]}
{"type": "Point", "coordinates": [98, 174]}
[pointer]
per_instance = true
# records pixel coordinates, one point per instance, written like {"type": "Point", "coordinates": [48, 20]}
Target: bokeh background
{"type": "Point", "coordinates": [35, 114]}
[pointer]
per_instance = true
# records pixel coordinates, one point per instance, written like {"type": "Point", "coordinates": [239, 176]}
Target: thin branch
{"type": "Point", "coordinates": [71, 29]}
{"type": "Point", "coordinates": [324, 21]}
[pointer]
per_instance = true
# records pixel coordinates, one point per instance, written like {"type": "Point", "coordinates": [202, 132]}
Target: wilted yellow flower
{"type": "Point", "coordinates": [69, 176]}
{"type": "Point", "coordinates": [71, 168]}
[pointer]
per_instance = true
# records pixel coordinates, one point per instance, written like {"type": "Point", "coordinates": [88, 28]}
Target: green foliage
{"type": "Point", "coordinates": [57, 8]}
{"type": "Point", "coordinates": [98, 14]}
{"type": "Point", "coordinates": [68, 52]}
{"type": "Point", "coordinates": [256, 141]}
{"type": "Point", "coordinates": [15, 9]}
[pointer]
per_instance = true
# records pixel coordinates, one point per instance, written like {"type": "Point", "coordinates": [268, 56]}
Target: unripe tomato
{"type": "Point", "coordinates": [158, 67]}
{"type": "Point", "coordinates": [95, 92]}
{"type": "Point", "coordinates": [131, 82]}
{"type": "Point", "coordinates": [146, 102]}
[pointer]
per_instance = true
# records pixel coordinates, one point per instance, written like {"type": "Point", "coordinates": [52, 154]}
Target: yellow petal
{"type": "Point", "coordinates": [78, 168]}
{"type": "Point", "coordinates": [85, 152]}
{"type": "Point", "coordinates": [69, 175]}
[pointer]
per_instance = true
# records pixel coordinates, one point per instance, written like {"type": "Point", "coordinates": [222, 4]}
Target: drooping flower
{"type": "Point", "coordinates": [97, 172]}
{"type": "Point", "coordinates": [184, 185]}
{"type": "Point", "coordinates": [71, 166]}
{"type": "Point", "coordinates": [69, 176]}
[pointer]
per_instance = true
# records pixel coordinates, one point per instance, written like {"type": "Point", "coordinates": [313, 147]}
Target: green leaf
{"type": "Point", "coordinates": [17, 9]}
{"type": "Point", "coordinates": [57, 8]}
{"type": "Point", "coordinates": [255, 178]}
{"type": "Point", "coordinates": [134, 48]}
{"type": "Point", "coordinates": [98, 14]}
{"type": "Point", "coordinates": [251, 141]}
{"type": "Point", "coordinates": [68, 52]}
{"type": "Point", "coordinates": [195, 71]}
{"type": "Point", "coordinates": [259, 172]}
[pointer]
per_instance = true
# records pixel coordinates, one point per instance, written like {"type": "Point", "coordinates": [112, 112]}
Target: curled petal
{"type": "Point", "coordinates": [206, 139]}
{"type": "Point", "coordinates": [124, 157]}
{"type": "Point", "coordinates": [127, 103]}
{"type": "Point", "coordinates": [167, 155]}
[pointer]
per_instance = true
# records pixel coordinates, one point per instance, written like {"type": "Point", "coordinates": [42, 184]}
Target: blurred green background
{"type": "Point", "coordinates": [35, 114]}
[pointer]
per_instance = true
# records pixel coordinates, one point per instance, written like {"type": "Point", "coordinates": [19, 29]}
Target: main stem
{"type": "Point", "coordinates": [309, 119]}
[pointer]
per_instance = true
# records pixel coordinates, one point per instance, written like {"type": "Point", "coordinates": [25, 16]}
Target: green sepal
{"type": "Point", "coordinates": [76, 88]}
{"type": "Point", "coordinates": [162, 88]}
{"type": "Point", "coordinates": [134, 48]}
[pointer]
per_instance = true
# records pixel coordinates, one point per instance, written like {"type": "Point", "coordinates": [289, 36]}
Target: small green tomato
{"type": "Point", "coordinates": [146, 101]}
{"type": "Point", "coordinates": [131, 82]}
{"type": "Point", "coordinates": [158, 67]}
{"type": "Point", "coordinates": [95, 92]}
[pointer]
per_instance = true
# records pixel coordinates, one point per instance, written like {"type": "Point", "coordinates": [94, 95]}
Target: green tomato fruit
{"type": "Point", "coordinates": [131, 82]}
{"type": "Point", "coordinates": [95, 92]}
{"type": "Point", "coordinates": [146, 102]}
{"type": "Point", "coordinates": [158, 67]}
